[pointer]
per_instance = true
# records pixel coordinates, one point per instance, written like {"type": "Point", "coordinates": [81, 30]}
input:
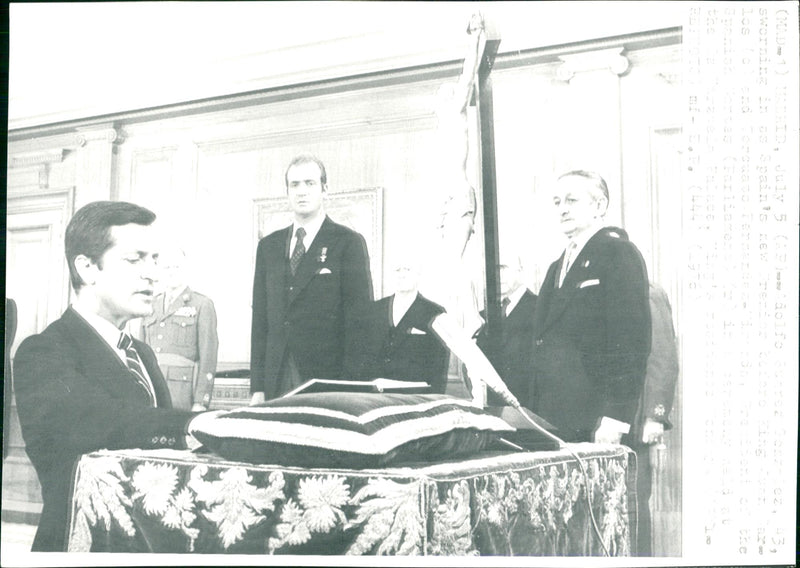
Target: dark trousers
{"type": "Point", "coordinates": [290, 377]}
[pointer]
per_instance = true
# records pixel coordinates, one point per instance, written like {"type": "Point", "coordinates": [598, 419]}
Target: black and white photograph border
{"type": "Point", "coordinates": [687, 109]}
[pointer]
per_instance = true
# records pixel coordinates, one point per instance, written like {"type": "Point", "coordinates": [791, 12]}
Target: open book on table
{"type": "Point", "coordinates": [373, 385]}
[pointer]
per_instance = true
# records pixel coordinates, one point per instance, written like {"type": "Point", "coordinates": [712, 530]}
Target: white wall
{"type": "Point", "coordinates": [75, 60]}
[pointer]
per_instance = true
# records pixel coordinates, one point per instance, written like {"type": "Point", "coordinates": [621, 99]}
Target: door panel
{"type": "Point", "coordinates": [37, 280]}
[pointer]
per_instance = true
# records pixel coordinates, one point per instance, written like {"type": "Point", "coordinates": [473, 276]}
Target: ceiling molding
{"type": "Point", "coordinates": [435, 71]}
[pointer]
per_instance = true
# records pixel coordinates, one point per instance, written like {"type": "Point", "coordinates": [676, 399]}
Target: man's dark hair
{"type": "Point", "coordinates": [89, 231]}
{"type": "Point", "coordinates": [307, 159]}
{"type": "Point", "coordinates": [594, 177]}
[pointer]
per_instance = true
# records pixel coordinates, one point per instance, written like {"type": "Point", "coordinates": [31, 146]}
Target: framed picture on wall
{"type": "Point", "coordinates": [359, 209]}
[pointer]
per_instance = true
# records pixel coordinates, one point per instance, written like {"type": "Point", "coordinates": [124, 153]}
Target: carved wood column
{"type": "Point", "coordinates": [591, 134]}
{"type": "Point", "coordinates": [94, 176]}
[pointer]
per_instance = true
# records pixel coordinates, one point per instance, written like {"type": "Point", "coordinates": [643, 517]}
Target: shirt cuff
{"type": "Point", "coordinates": [619, 426]}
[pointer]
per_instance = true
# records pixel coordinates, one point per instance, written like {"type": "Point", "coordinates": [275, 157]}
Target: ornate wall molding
{"type": "Point", "coordinates": [332, 130]}
{"type": "Point", "coordinates": [108, 134]}
{"type": "Point", "coordinates": [27, 160]}
{"type": "Point", "coordinates": [613, 60]}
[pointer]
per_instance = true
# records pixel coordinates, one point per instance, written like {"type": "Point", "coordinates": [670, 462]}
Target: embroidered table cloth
{"type": "Point", "coordinates": [526, 503]}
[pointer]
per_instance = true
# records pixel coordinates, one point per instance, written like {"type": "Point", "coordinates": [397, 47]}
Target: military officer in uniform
{"type": "Point", "coordinates": [182, 330]}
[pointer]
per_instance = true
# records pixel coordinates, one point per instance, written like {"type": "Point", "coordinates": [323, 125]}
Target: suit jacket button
{"type": "Point", "coordinates": [539, 341]}
{"type": "Point", "coordinates": [286, 324]}
{"type": "Point", "coordinates": [291, 288]}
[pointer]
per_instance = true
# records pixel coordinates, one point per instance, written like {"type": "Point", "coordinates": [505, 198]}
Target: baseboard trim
{"type": "Point", "coordinates": [21, 512]}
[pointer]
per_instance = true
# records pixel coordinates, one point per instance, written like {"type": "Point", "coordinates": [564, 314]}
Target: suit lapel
{"type": "Point", "coordinates": [307, 269]}
{"type": "Point", "coordinates": [276, 259]}
{"type": "Point", "coordinates": [102, 363]}
{"type": "Point", "coordinates": [98, 357]}
{"type": "Point", "coordinates": [516, 318]}
{"type": "Point", "coordinates": [561, 297]}
{"type": "Point", "coordinates": [553, 301]}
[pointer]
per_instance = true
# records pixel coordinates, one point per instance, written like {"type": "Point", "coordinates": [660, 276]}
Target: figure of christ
{"type": "Point", "coordinates": [452, 281]}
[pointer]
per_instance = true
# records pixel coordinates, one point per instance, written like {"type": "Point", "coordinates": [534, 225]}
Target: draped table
{"type": "Point", "coordinates": [526, 503]}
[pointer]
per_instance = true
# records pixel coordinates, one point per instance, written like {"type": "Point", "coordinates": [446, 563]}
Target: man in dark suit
{"type": "Point", "coordinates": [308, 278]}
{"type": "Point", "coordinates": [592, 322]}
{"type": "Point", "coordinates": [82, 384]}
{"type": "Point", "coordinates": [655, 405]}
{"type": "Point", "coordinates": [513, 360]}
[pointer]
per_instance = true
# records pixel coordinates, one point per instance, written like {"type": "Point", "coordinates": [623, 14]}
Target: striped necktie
{"type": "Point", "coordinates": [299, 250]}
{"type": "Point", "coordinates": [134, 365]}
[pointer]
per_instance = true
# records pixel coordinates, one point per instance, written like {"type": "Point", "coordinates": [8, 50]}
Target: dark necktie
{"type": "Point", "coordinates": [132, 359]}
{"type": "Point", "coordinates": [299, 250]}
{"type": "Point", "coordinates": [504, 304]}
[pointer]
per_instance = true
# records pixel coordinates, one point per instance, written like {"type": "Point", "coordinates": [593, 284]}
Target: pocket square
{"type": "Point", "coordinates": [324, 271]}
{"type": "Point", "coordinates": [587, 283]}
{"type": "Point", "coordinates": [415, 331]}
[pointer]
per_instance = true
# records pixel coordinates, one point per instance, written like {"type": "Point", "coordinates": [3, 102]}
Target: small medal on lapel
{"type": "Point", "coordinates": [323, 255]}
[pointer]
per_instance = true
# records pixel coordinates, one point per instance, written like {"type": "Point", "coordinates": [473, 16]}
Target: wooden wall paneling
{"type": "Point", "coordinates": [95, 154]}
{"type": "Point", "coordinates": [666, 184]}
{"type": "Point", "coordinates": [36, 279]}
{"type": "Point", "coordinates": [650, 99]}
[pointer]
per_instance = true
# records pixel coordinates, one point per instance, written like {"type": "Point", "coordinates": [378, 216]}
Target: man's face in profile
{"type": "Point", "coordinates": [304, 188]}
{"type": "Point", "coordinates": [126, 274]}
{"type": "Point", "coordinates": [576, 204]}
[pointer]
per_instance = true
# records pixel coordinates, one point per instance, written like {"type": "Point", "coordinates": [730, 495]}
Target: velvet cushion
{"type": "Point", "coordinates": [352, 430]}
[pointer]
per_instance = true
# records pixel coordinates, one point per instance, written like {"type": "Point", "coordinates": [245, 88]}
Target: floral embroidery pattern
{"type": "Point", "coordinates": [611, 489]}
{"type": "Point", "coordinates": [126, 502]}
{"type": "Point", "coordinates": [154, 485]}
{"type": "Point", "coordinates": [234, 503]}
{"type": "Point", "coordinates": [452, 532]}
{"type": "Point", "coordinates": [100, 499]}
{"type": "Point", "coordinates": [321, 499]}
{"type": "Point", "coordinates": [390, 514]}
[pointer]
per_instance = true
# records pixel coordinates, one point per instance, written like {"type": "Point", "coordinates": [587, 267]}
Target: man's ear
{"type": "Point", "coordinates": [86, 268]}
{"type": "Point", "coordinates": [602, 205]}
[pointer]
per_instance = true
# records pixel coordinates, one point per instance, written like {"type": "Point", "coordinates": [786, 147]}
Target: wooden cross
{"type": "Point", "coordinates": [482, 97]}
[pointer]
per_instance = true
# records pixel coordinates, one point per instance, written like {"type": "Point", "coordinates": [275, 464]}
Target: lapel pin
{"type": "Point", "coordinates": [323, 254]}
{"type": "Point", "coordinates": [586, 264]}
